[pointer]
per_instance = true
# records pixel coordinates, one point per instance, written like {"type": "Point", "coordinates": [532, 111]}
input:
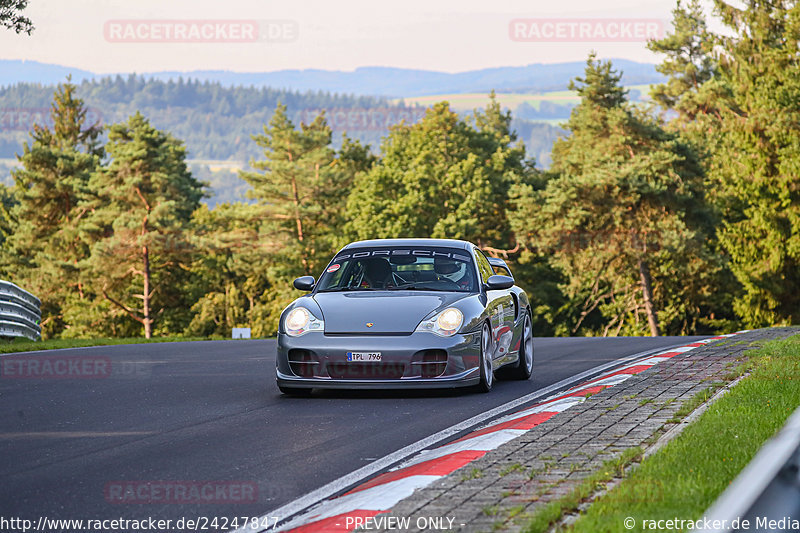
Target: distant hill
{"type": "Point", "coordinates": [368, 81]}
{"type": "Point", "coordinates": [217, 122]}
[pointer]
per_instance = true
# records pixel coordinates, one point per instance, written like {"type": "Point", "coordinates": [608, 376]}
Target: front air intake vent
{"type": "Point", "coordinates": [432, 363]}
{"type": "Point", "coordinates": [304, 363]}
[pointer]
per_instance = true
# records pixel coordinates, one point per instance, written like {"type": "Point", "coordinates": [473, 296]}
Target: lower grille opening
{"type": "Point", "coordinates": [304, 363]}
{"type": "Point", "coordinates": [342, 370]}
{"type": "Point", "coordinates": [432, 363]}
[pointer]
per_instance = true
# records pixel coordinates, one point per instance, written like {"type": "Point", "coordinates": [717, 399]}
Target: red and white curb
{"type": "Point", "coordinates": [378, 495]}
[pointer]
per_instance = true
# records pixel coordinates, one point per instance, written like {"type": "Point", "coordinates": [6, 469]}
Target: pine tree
{"type": "Point", "coordinates": [442, 177]}
{"type": "Point", "coordinates": [297, 169]}
{"type": "Point", "coordinates": [140, 223]}
{"type": "Point", "coordinates": [44, 249]}
{"type": "Point", "coordinates": [756, 164]}
{"type": "Point", "coordinates": [623, 204]}
{"type": "Point", "coordinates": [690, 67]}
{"type": "Point", "coordinates": [744, 115]}
{"type": "Point", "coordinates": [231, 272]}
{"type": "Point", "coordinates": [300, 191]}
{"type": "Point", "coordinates": [7, 202]}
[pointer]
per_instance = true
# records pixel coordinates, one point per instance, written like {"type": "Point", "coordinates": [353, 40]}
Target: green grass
{"type": "Point", "coordinates": [475, 473]}
{"type": "Point", "coordinates": [25, 345]}
{"type": "Point", "coordinates": [686, 476]}
{"type": "Point", "coordinates": [544, 517]}
{"type": "Point", "coordinates": [692, 403]}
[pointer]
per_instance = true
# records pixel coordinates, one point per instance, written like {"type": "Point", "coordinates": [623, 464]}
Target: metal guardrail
{"type": "Point", "coordinates": [20, 312]}
{"type": "Point", "coordinates": [767, 492]}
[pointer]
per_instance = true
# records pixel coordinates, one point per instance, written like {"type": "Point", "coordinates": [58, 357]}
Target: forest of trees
{"type": "Point", "coordinates": [215, 121]}
{"type": "Point", "coordinates": [678, 219]}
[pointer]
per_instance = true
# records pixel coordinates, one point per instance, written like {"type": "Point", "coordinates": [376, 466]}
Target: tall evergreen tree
{"type": "Point", "coordinates": [296, 171]}
{"type": "Point", "coordinates": [44, 248]}
{"type": "Point", "coordinates": [622, 213]}
{"type": "Point", "coordinates": [442, 177]}
{"type": "Point", "coordinates": [140, 222]}
{"type": "Point", "coordinates": [756, 166]}
{"type": "Point", "coordinates": [301, 185]}
{"type": "Point", "coordinates": [690, 89]}
{"type": "Point", "coordinates": [745, 116]}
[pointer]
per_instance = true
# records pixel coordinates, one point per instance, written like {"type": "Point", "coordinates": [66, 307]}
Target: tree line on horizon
{"type": "Point", "coordinates": [214, 121]}
{"type": "Point", "coordinates": [682, 218]}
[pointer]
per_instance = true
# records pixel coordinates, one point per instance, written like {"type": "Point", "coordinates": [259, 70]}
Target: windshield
{"type": "Point", "coordinates": [395, 268]}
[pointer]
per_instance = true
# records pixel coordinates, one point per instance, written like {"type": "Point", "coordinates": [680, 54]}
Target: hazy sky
{"type": "Point", "coordinates": [447, 35]}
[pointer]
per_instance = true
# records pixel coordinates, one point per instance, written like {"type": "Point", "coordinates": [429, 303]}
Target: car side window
{"type": "Point", "coordinates": [503, 271]}
{"type": "Point", "coordinates": [484, 267]}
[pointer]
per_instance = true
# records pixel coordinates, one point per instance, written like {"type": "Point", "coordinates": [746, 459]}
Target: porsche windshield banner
{"type": "Point", "coordinates": [416, 252]}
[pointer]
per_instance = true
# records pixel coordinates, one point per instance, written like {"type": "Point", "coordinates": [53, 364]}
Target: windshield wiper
{"type": "Point", "coordinates": [343, 289]}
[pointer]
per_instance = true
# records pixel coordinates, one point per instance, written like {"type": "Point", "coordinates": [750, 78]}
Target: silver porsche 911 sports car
{"type": "Point", "coordinates": [405, 313]}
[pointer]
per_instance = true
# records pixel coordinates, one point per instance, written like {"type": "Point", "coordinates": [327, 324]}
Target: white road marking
{"type": "Point", "coordinates": [378, 498]}
{"type": "Point", "coordinates": [481, 443]}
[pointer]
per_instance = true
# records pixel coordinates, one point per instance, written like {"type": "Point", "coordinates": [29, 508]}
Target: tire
{"type": "Point", "coordinates": [487, 373]}
{"type": "Point", "coordinates": [294, 391]}
{"type": "Point", "coordinates": [523, 369]}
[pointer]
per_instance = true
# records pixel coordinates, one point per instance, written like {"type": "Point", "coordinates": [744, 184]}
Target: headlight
{"type": "Point", "coordinates": [300, 321]}
{"type": "Point", "coordinates": [444, 324]}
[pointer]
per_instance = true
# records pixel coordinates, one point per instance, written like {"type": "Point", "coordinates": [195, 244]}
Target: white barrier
{"type": "Point", "coordinates": [20, 313]}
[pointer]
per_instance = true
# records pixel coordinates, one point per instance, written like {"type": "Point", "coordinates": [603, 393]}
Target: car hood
{"type": "Point", "coordinates": [387, 311]}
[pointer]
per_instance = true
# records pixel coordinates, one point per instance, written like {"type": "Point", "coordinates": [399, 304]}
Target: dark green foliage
{"type": "Point", "coordinates": [44, 246]}
{"type": "Point", "coordinates": [639, 226]}
{"type": "Point", "coordinates": [756, 168]}
{"type": "Point", "coordinates": [229, 270]}
{"type": "Point", "coordinates": [443, 177]}
{"type": "Point", "coordinates": [743, 111]}
{"type": "Point", "coordinates": [622, 216]}
{"type": "Point", "coordinates": [11, 16]}
{"type": "Point", "coordinates": [139, 226]}
{"type": "Point", "coordinates": [7, 202]}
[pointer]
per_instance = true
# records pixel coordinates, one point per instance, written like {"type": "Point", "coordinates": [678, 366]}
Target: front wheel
{"type": "Point", "coordinates": [487, 372]}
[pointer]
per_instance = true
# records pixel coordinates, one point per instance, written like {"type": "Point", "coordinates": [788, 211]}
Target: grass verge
{"type": "Point", "coordinates": [684, 478]}
{"type": "Point", "coordinates": [25, 345]}
{"type": "Point", "coordinates": [542, 519]}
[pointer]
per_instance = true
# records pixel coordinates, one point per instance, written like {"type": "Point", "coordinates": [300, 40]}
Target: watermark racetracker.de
{"type": "Point", "coordinates": [761, 523]}
{"type": "Point", "coordinates": [23, 118]}
{"type": "Point", "coordinates": [585, 29]}
{"type": "Point", "coordinates": [180, 492]}
{"type": "Point", "coordinates": [48, 367]}
{"type": "Point", "coordinates": [364, 119]}
{"type": "Point", "coordinates": [200, 31]}
{"type": "Point", "coordinates": [55, 367]}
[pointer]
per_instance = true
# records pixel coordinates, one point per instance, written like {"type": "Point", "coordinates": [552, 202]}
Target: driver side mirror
{"type": "Point", "coordinates": [498, 282]}
{"type": "Point", "coordinates": [305, 283]}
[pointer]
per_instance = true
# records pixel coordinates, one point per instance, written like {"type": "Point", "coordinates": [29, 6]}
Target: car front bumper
{"type": "Point", "coordinates": [316, 360]}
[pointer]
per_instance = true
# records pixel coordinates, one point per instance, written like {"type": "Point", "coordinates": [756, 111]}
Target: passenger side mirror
{"type": "Point", "coordinates": [305, 283]}
{"type": "Point", "coordinates": [498, 282]}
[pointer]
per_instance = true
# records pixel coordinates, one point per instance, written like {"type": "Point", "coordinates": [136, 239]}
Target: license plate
{"type": "Point", "coordinates": [363, 357]}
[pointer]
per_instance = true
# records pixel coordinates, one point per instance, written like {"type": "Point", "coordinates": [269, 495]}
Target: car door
{"type": "Point", "coordinates": [500, 308]}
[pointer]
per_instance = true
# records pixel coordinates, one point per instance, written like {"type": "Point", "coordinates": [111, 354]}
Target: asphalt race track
{"type": "Point", "coordinates": [211, 412]}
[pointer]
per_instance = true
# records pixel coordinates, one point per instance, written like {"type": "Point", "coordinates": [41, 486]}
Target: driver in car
{"type": "Point", "coordinates": [377, 273]}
